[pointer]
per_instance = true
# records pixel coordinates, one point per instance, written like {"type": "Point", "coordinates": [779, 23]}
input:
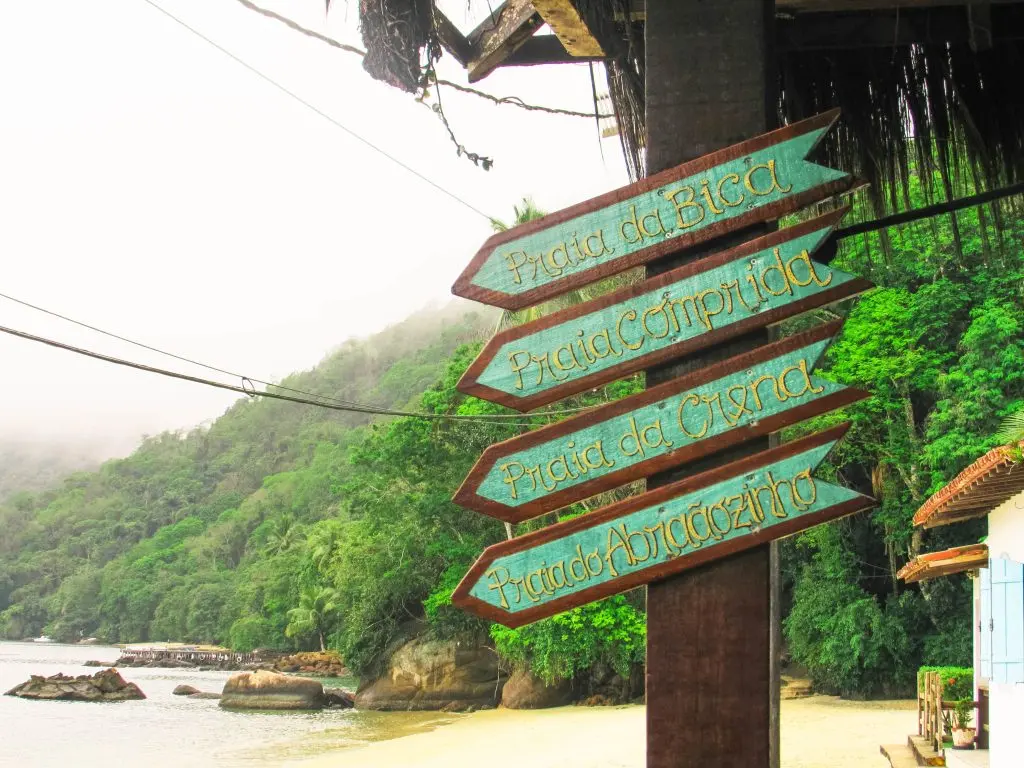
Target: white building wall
{"type": "Point", "coordinates": [1006, 702]}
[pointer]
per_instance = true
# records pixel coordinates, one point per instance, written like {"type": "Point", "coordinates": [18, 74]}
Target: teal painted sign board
{"type": "Point", "coordinates": [694, 307]}
{"type": "Point", "coordinates": [757, 180]}
{"type": "Point", "coordinates": [657, 534]}
{"type": "Point", "coordinates": [752, 394]}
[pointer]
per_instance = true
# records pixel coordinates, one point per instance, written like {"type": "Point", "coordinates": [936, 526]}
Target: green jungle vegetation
{"type": "Point", "coordinates": [37, 465]}
{"type": "Point", "coordinates": [289, 526]}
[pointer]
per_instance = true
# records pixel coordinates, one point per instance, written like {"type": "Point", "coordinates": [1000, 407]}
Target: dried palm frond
{"type": "Point", "coordinates": [400, 39]}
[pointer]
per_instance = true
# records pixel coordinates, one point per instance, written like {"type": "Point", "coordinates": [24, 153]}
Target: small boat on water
{"type": "Point", "coordinates": [42, 639]}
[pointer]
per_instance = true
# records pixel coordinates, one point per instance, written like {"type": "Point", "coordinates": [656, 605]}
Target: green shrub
{"type": "Point", "coordinates": [611, 631]}
{"type": "Point", "coordinates": [957, 682]}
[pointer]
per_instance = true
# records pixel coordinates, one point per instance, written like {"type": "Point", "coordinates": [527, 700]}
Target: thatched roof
{"type": "Point", "coordinates": [931, 84]}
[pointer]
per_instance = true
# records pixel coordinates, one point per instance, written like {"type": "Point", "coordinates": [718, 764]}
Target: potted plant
{"type": "Point", "coordinates": [963, 734]}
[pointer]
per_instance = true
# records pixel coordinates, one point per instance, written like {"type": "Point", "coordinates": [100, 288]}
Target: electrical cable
{"type": "Point", "coordinates": [242, 390]}
{"type": "Point", "coordinates": [318, 111]}
{"type": "Point", "coordinates": [253, 380]}
{"type": "Point", "coordinates": [515, 101]}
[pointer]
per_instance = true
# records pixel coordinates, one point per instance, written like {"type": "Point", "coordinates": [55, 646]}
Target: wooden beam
{"type": "Point", "coordinates": [638, 8]}
{"type": "Point", "coordinates": [569, 27]}
{"type": "Point", "coordinates": [885, 29]}
{"type": "Point", "coordinates": [453, 41]}
{"type": "Point", "coordinates": [511, 25]}
{"type": "Point", "coordinates": [544, 49]}
{"type": "Point", "coordinates": [827, 6]}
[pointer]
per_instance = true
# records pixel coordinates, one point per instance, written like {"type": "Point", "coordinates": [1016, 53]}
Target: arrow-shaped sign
{"type": "Point", "coordinates": [727, 403]}
{"type": "Point", "coordinates": [677, 313]}
{"type": "Point", "coordinates": [657, 534]}
{"type": "Point", "coordinates": [757, 180]}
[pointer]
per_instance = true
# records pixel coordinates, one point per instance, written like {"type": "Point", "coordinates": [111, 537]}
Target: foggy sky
{"type": "Point", "coordinates": [152, 186]}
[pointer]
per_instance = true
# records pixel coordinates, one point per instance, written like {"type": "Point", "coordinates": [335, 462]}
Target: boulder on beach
{"type": "Point", "coordinates": [339, 698]}
{"type": "Point", "coordinates": [432, 674]}
{"type": "Point", "coordinates": [184, 690]}
{"type": "Point", "coordinates": [524, 690]}
{"type": "Point", "coordinates": [270, 690]}
{"type": "Point", "coordinates": [106, 685]}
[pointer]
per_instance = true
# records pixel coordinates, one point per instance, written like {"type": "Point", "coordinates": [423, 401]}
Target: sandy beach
{"type": "Point", "coordinates": [817, 731]}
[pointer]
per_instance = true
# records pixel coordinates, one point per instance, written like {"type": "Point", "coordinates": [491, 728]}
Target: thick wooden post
{"type": "Point", "coordinates": [712, 636]}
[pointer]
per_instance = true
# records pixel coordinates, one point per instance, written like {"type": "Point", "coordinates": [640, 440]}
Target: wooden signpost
{"type": "Point", "coordinates": [745, 396]}
{"type": "Point", "coordinates": [757, 180]}
{"type": "Point", "coordinates": [711, 632]}
{"type": "Point", "coordinates": [687, 309]}
{"type": "Point", "coordinates": [656, 534]}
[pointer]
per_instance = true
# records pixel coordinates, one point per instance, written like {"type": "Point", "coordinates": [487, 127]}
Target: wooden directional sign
{"type": "Point", "coordinates": [659, 533]}
{"type": "Point", "coordinates": [677, 313]}
{"type": "Point", "coordinates": [751, 394]}
{"type": "Point", "coordinates": [758, 180]}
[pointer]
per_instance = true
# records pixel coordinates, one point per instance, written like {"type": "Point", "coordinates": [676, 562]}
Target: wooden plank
{"type": "Point", "coordinates": [721, 405]}
{"type": "Point", "coordinates": [510, 25]}
{"type": "Point", "coordinates": [657, 534]}
{"type": "Point", "coordinates": [544, 49]}
{"type": "Point", "coordinates": [754, 181]}
{"type": "Point", "coordinates": [569, 26]}
{"type": "Point", "coordinates": [675, 314]}
{"type": "Point", "coordinates": [451, 38]}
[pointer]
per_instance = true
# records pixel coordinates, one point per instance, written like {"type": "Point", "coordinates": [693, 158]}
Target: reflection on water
{"type": "Point", "coordinates": [165, 730]}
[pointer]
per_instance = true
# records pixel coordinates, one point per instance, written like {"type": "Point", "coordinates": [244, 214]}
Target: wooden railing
{"type": "Point", "coordinates": [192, 655]}
{"type": "Point", "coordinates": [931, 705]}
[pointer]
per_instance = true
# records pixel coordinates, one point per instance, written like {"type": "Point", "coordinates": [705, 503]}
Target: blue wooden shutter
{"type": "Point", "coordinates": [1007, 621]}
{"type": "Point", "coordinates": [985, 622]}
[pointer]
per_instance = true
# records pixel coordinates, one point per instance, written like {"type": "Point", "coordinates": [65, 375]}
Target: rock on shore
{"type": "Point", "coordinates": [270, 690]}
{"type": "Point", "coordinates": [431, 674]}
{"type": "Point", "coordinates": [106, 685]}
{"type": "Point", "coordinates": [319, 663]}
{"type": "Point", "coordinates": [524, 690]}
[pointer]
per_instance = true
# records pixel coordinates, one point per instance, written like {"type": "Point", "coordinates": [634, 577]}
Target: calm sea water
{"type": "Point", "coordinates": [165, 730]}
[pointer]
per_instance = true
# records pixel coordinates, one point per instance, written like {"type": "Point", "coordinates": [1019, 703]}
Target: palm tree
{"type": "Point", "coordinates": [284, 534]}
{"type": "Point", "coordinates": [316, 604]}
{"type": "Point", "coordinates": [1012, 428]}
{"type": "Point", "coordinates": [322, 542]}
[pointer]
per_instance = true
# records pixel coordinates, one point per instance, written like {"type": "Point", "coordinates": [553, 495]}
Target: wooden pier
{"type": "Point", "coordinates": [193, 654]}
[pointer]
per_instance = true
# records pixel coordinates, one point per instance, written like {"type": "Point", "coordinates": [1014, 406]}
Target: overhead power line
{"type": "Point", "coordinates": [317, 110]}
{"type": "Point", "coordinates": [183, 359]}
{"type": "Point", "coordinates": [494, 419]}
{"type": "Point", "coordinates": [251, 380]}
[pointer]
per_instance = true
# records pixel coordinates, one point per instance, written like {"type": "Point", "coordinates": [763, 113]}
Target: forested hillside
{"type": "Point", "coordinates": [196, 533]}
{"type": "Point", "coordinates": [35, 465]}
{"type": "Point", "coordinates": [284, 525]}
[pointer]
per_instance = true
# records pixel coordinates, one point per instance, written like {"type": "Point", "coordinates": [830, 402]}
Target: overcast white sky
{"type": "Point", "coordinates": [152, 186]}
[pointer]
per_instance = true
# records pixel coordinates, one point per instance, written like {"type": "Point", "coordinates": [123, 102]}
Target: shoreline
{"type": "Point", "coordinates": [817, 731]}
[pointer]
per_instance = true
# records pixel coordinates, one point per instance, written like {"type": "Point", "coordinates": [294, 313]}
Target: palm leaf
{"type": "Point", "coordinates": [1012, 428]}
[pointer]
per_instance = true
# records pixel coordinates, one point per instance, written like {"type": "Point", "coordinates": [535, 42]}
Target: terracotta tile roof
{"type": "Point", "coordinates": [949, 561]}
{"type": "Point", "coordinates": [980, 488]}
